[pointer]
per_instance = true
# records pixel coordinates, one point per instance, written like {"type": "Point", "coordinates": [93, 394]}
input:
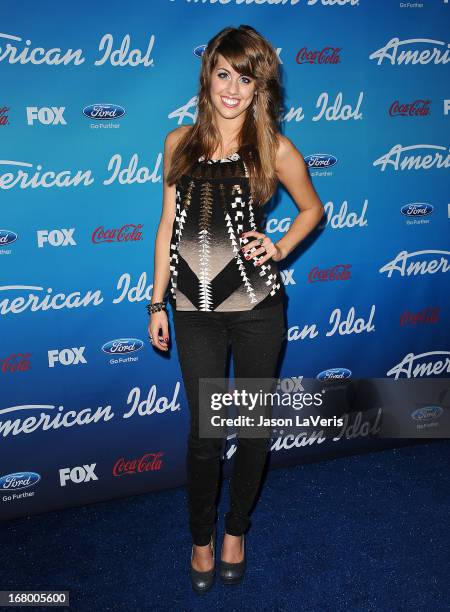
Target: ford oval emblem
{"type": "Point", "coordinates": [320, 160]}
{"type": "Point", "coordinates": [417, 209]}
{"type": "Point", "coordinates": [334, 373]}
{"type": "Point", "coordinates": [120, 346]}
{"type": "Point", "coordinates": [199, 50]}
{"type": "Point", "coordinates": [104, 112]}
{"type": "Point", "coordinates": [19, 480]}
{"type": "Point", "coordinates": [427, 413]}
{"type": "Point", "coordinates": [7, 236]}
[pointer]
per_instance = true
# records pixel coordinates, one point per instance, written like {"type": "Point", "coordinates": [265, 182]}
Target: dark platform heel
{"type": "Point", "coordinates": [203, 581]}
{"type": "Point", "coordinates": [232, 573]}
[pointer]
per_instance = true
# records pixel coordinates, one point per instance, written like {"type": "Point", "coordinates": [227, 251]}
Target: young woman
{"type": "Point", "coordinates": [225, 287]}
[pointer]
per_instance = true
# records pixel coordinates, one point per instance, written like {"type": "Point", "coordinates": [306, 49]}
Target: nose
{"type": "Point", "coordinates": [233, 87]}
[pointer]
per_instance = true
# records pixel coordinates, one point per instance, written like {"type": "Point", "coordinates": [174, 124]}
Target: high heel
{"type": "Point", "coordinates": [232, 573]}
{"type": "Point", "coordinates": [203, 581]}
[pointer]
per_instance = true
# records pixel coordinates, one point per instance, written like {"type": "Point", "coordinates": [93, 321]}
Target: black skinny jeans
{"type": "Point", "coordinates": [202, 340]}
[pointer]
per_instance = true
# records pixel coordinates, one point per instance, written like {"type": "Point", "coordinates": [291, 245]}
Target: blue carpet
{"type": "Point", "coordinates": [366, 532]}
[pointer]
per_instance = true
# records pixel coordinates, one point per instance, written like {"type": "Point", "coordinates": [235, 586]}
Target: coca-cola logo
{"type": "Point", "coordinates": [328, 55]}
{"type": "Point", "coordinates": [337, 272]}
{"type": "Point", "coordinates": [3, 115]}
{"type": "Point", "coordinates": [16, 362]}
{"type": "Point", "coordinates": [428, 315]}
{"type": "Point", "coordinates": [126, 233]}
{"type": "Point", "coordinates": [418, 108]}
{"type": "Point", "coordinates": [149, 462]}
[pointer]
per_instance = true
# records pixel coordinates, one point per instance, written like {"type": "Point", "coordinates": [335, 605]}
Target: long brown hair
{"type": "Point", "coordinates": [249, 54]}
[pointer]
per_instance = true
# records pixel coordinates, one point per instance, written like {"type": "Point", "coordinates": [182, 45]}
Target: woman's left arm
{"type": "Point", "coordinates": [293, 174]}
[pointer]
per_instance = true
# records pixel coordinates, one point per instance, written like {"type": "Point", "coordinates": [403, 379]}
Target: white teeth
{"type": "Point", "coordinates": [230, 101]}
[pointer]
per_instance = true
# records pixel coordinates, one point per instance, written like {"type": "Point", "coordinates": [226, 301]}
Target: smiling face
{"type": "Point", "coordinates": [231, 93]}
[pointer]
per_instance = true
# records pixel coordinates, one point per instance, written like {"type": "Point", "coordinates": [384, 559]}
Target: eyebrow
{"type": "Point", "coordinates": [226, 70]}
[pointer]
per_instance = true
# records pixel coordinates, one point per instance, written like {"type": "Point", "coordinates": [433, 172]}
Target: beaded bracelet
{"type": "Point", "coordinates": [156, 307]}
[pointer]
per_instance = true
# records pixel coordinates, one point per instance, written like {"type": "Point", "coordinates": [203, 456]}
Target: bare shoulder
{"type": "Point", "coordinates": [174, 136]}
{"type": "Point", "coordinates": [170, 143]}
{"type": "Point", "coordinates": [287, 152]}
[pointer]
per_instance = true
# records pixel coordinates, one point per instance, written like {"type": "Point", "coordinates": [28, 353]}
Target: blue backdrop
{"type": "Point", "coordinates": [89, 410]}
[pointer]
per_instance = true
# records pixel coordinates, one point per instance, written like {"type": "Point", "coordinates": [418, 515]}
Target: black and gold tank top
{"type": "Point", "coordinates": [208, 270]}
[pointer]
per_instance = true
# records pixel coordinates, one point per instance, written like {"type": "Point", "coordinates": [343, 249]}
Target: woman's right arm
{"type": "Point", "coordinates": [161, 268]}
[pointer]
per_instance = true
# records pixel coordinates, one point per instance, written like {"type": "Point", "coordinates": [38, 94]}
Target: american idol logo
{"type": "Point", "coordinates": [122, 346]}
{"type": "Point", "coordinates": [104, 112]}
{"type": "Point", "coordinates": [417, 209]}
{"type": "Point", "coordinates": [199, 50]}
{"type": "Point", "coordinates": [19, 480]}
{"type": "Point", "coordinates": [427, 413]}
{"type": "Point", "coordinates": [334, 374]}
{"type": "Point", "coordinates": [320, 160]}
{"type": "Point", "coordinates": [7, 236]}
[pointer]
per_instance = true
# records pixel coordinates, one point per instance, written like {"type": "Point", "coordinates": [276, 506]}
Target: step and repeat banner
{"type": "Point", "coordinates": [89, 409]}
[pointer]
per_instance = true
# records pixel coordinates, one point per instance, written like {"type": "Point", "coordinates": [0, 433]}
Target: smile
{"type": "Point", "coordinates": [229, 102]}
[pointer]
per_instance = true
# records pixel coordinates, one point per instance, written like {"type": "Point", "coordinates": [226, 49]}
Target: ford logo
{"type": "Point", "coordinates": [427, 413]}
{"type": "Point", "coordinates": [18, 480]}
{"type": "Point", "coordinates": [104, 112]}
{"type": "Point", "coordinates": [320, 160]}
{"type": "Point", "coordinates": [7, 236]}
{"type": "Point", "coordinates": [199, 50]}
{"type": "Point", "coordinates": [334, 373]}
{"type": "Point", "coordinates": [417, 209]}
{"type": "Point", "coordinates": [122, 345]}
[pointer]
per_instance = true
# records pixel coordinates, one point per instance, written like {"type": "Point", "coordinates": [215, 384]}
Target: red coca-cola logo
{"type": "Point", "coordinates": [337, 272]}
{"type": "Point", "coordinates": [418, 108]}
{"type": "Point", "coordinates": [16, 362]}
{"type": "Point", "coordinates": [3, 116]}
{"type": "Point", "coordinates": [425, 316]}
{"type": "Point", "coordinates": [149, 462]}
{"type": "Point", "coordinates": [328, 55]}
{"type": "Point", "coordinates": [127, 232]}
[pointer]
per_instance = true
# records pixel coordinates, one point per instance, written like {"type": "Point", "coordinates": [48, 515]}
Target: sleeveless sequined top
{"type": "Point", "coordinates": [208, 270]}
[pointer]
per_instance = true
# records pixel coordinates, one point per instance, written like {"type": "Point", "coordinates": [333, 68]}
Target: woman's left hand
{"type": "Point", "coordinates": [270, 250]}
